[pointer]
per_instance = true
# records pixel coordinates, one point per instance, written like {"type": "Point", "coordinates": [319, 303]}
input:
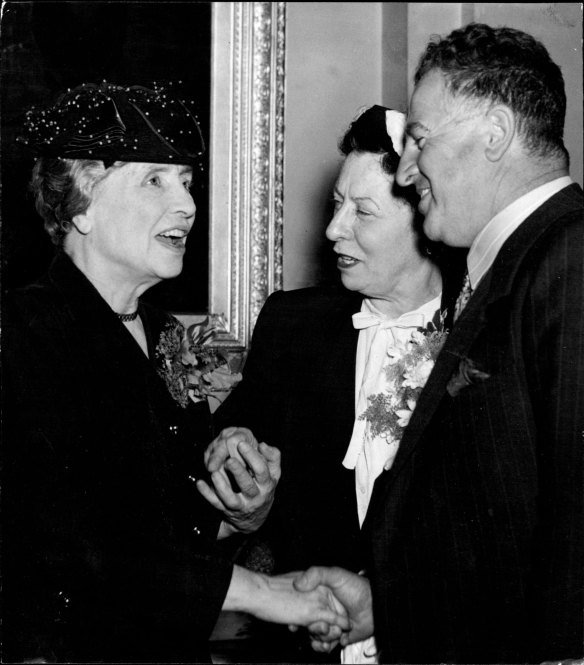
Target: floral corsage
{"type": "Point", "coordinates": [408, 368]}
{"type": "Point", "coordinates": [192, 367]}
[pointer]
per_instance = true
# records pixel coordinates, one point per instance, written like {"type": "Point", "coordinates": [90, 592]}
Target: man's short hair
{"type": "Point", "coordinates": [504, 65]}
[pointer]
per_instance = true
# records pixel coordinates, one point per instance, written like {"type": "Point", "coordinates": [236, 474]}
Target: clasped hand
{"type": "Point", "coordinates": [352, 597]}
{"type": "Point", "coordinates": [255, 469]}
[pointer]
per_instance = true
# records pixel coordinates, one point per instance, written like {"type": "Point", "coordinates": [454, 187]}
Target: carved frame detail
{"type": "Point", "coordinates": [246, 163]}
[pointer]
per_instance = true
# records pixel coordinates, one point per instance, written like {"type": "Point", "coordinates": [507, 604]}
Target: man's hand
{"type": "Point", "coordinates": [353, 592]}
{"type": "Point", "coordinates": [255, 470]}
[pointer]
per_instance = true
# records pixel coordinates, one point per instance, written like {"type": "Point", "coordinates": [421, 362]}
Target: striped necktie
{"type": "Point", "coordinates": [463, 298]}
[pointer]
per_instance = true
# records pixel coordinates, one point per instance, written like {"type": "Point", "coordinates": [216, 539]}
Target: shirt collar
{"type": "Point", "coordinates": [492, 237]}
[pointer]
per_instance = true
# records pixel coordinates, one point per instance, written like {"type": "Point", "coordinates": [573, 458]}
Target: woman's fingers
{"type": "Point", "coordinates": [257, 463]}
{"type": "Point", "coordinates": [242, 477]}
{"type": "Point", "coordinates": [322, 647]}
{"type": "Point", "coordinates": [209, 494]}
{"type": "Point", "coordinates": [273, 458]}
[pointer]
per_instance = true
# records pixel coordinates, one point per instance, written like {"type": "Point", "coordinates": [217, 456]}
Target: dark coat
{"type": "Point", "coordinates": [106, 545]}
{"type": "Point", "coordinates": [476, 532]}
{"type": "Point", "coordinates": [298, 394]}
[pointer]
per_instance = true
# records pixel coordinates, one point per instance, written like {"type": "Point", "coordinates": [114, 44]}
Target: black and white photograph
{"type": "Point", "coordinates": [291, 332]}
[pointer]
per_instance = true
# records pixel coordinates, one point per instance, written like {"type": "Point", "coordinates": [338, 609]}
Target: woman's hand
{"type": "Point", "coordinates": [255, 469]}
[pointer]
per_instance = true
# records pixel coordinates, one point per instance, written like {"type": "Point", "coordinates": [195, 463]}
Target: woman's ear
{"type": "Point", "coordinates": [82, 222]}
{"type": "Point", "coordinates": [502, 127]}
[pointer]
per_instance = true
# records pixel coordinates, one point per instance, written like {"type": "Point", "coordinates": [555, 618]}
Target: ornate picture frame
{"type": "Point", "coordinates": [246, 164]}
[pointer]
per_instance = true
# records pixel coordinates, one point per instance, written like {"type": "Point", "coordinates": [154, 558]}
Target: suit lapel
{"type": "Point", "coordinates": [455, 348]}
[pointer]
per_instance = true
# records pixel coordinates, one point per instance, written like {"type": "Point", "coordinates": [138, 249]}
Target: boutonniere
{"type": "Point", "coordinates": [193, 368]}
{"type": "Point", "coordinates": [467, 374]}
{"type": "Point", "coordinates": [408, 368]}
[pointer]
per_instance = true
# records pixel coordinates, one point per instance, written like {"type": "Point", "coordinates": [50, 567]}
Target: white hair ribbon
{"type": "Point", "coordinates": [395, 124]}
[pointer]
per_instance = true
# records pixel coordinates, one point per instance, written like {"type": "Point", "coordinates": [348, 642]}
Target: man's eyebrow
{"type": "Point", "coordinates": [413, 126]}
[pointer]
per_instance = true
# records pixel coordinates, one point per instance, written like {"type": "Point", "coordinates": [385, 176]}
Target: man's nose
{"type": "Point", "coordinates": [407, 169]}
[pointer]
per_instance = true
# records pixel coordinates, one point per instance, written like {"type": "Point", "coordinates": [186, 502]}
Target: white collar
{"type": "Point", "coordinates": [492, 237]}
{"type": "Point", "coordinates": [423, 312]}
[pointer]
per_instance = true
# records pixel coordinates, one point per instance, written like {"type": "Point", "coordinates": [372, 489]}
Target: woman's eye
{"type": "Point", "coordinates": [187, 184]}
{"type": "Point", "coordinates": [154, 180]}
{"type": "Point", "coordinates": [363, 213]}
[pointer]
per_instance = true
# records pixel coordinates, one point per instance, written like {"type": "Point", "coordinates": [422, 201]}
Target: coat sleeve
{"type": "Point", "coordinates": [553, 343]}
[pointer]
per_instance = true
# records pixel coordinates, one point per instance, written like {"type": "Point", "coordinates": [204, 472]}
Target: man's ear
{"type": "Point", "coordinates": [502, 128]}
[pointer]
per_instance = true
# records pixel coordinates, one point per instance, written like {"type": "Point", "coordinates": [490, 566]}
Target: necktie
{"type": "Point", "coordinates": [464, 297]}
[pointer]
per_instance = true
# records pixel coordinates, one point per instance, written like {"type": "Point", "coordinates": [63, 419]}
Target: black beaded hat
{"type": "Point", "coordinates": [112, 122]}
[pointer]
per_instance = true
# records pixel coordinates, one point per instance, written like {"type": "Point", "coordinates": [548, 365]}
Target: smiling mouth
{"type": "Point", "coordinates": [424, 191]}
{"type": "Point", "coordinates": [345, 261]}
{"type": "Point", "coordinates": [175, 238]}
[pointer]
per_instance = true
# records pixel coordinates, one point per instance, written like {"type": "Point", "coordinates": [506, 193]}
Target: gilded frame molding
{"type": "Point", "coordinates": [246, 163]}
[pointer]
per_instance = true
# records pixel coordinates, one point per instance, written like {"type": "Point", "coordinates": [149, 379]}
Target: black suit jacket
{"type": "Point", "coordinates": [476, 532]}
{"type": "Point", "coordinates": [298, 394]}
{"type": "Point", "coordinates": [106, 542]}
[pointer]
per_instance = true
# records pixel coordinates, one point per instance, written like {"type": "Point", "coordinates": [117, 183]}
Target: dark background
{"type": "Point", "coordinates": [50, 46]}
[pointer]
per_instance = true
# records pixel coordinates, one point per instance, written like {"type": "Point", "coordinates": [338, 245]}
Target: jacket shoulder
{"type": "Point", "coordinates": [555, 227]}
{"type": "Point", "coordinates": [314, 300]}
{"type": "Point", "coordinates": [31, 305]}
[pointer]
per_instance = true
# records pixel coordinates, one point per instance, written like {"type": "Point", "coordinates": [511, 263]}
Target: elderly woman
{"type": "Point", "coordinates": [333, 374]}
{"type": "Point", "coordinates": [107, 546]}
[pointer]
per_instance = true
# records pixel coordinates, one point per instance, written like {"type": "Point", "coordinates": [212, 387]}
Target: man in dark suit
{"type": "Point", "coordinates": [476, 532]}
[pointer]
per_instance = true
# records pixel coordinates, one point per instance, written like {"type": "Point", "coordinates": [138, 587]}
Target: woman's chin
{"type": "Point", "coordinates": [349, 283]}
{"type": "Point", "coordinates": [170, 269]}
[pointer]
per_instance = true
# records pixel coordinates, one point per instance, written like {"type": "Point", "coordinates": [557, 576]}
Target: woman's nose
{"type": "Point", "coordinates": [184, 203]}
{"type": "Point", "coordinates": [340, 225]}
{"type": "Point", "coordinates": [407, 169]}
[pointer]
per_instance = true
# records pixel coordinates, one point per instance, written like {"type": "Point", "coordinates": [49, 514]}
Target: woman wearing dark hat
{"type": "Point", "coordinates": [107, 546]}
{"type": "Point", "coordinates": [333, 374]}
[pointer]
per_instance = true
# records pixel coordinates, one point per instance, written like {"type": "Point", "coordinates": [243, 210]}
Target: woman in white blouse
{"type": "Point", "coordinates": [333, 373]}
{"type": "Point", "coordinates": [379, 256]}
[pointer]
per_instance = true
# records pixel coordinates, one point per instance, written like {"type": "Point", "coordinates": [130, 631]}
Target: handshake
{"type": "Point", "coordinates": [334, 604]}
{"type": "Point", "coordinates": [349, 598]}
